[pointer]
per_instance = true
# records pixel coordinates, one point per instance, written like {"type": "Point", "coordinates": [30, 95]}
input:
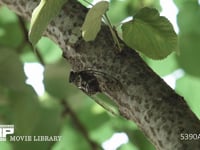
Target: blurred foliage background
{"type": "Point", "coordinates": [60, 108]}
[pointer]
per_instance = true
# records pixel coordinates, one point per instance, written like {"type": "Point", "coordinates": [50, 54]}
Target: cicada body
{"type": "Point", "coordinates": [85, 81]}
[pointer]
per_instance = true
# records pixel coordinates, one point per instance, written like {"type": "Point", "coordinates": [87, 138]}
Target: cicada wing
{"type": "Point", "coordinates": [105, 102]}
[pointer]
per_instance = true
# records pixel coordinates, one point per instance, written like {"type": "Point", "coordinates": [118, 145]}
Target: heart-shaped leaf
{"type": "Point", "coordinates": [151, 34]}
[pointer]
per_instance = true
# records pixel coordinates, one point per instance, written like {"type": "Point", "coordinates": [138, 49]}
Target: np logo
{"type": "Point", "coordinates": [5, 130]}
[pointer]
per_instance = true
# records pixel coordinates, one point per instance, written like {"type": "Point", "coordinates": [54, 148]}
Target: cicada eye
{"type": "Point", "coordinates": [75, 77]}
{"type": "Point", "coordinates": [72, 77]}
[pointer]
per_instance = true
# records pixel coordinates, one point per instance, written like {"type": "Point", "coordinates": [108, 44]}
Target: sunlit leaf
{"type": "Point", "coordinates": [42, 15]}
{"type": "Point", "coordinates": [92, 23]}
{"type": "Point", "coordinates": [150, 34]}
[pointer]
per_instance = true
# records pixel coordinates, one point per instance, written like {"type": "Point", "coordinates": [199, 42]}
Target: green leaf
{"type": "Point", "coordinates": [92, 23]}
{"type": "Point", "coordinates": [42, 15]}
{"type": "Point", "coordinates": [189, 58]}
{"type": "Point", "coordinates": [188, 22]}
{"type": "Point", "coordinates": [71, 143]}
{"type": "Point", "coordinates": [160, 68]}
{"type": "Point", "coordinates": [11, 35]}
{"type": "Point", "coordinates": [12, 74]}
{"type": "Point", "coordinates": [188, 18]}
{"type": "Point", "coordinates": [139, 140]}
{"type": "Point", "coordinates": [188, 87]}
{"type": "Point", "coordinates": [33, 119]}
{"type": "Point", "coordinates": [56, 81]}
{"type": "Point", "coordinates": [150, 34]}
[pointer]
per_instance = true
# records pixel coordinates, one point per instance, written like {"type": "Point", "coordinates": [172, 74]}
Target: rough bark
{"type": "Point", "coordinates": [141, 95]}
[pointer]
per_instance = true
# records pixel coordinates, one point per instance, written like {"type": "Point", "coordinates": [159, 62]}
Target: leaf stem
{"type": "Point", "coordinates": [25, 33]}
{"type": "Point", "coordinates": [88, 2]}
{"type": "Point", "coordinates": [113, 32]}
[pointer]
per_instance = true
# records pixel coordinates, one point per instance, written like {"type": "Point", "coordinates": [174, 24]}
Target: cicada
{"type": "Point", "coordinates": [86, 81]}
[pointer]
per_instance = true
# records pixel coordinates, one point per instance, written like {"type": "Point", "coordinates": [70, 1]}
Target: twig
{"type": "Point", "coordinates": [26, 40]}
{"type": "Point", "coordinates": [79, 125]}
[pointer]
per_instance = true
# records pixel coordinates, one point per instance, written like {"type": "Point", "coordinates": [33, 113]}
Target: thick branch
{"type": "Point", "coordinates": [140, 94]}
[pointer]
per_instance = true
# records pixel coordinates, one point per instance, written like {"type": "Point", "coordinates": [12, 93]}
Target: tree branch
{"type": "Point", "coordinates": [141, 95]}
{"type": "Point", "coordinates": [26, 41]}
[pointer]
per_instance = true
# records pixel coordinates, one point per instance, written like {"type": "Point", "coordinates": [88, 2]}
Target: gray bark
{"type": "Point", "coordinates": [140, 94]}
